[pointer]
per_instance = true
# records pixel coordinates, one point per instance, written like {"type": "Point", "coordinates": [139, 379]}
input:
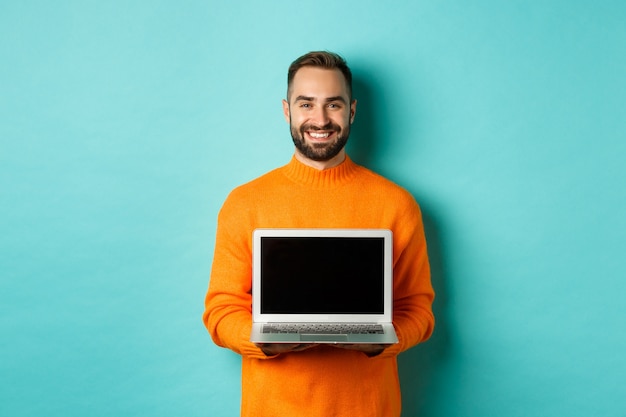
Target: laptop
{"type": "Point", "coordinates": [322, 286]}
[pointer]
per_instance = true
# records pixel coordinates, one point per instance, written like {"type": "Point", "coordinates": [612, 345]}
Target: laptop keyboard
{"type": "Point", "coordinates": [306, 328]}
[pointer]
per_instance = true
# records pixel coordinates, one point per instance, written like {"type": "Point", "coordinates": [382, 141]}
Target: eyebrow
{"type": "Point", "coordinates": [327, 100]}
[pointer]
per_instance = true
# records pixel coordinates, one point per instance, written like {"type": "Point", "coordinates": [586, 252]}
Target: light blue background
{"type": "Point", "coordinates": [124, 125]}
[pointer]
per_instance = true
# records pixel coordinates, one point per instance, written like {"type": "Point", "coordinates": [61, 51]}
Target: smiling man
{"type": "Point", "coordinates": [321, 187]}
{"type": "Point", "coordinates": [319, 109]}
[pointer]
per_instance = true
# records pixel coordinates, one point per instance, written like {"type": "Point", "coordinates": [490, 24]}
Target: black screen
{"type": "Point", "coordinates": [322, 275]}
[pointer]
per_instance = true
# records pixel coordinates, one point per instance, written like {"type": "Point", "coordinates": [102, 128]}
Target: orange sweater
{"type": "Point", "coordinates": [323, 381]}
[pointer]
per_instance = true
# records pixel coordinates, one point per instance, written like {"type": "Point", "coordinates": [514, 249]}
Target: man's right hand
{"type": "Point", "coordinates": [272, 349]}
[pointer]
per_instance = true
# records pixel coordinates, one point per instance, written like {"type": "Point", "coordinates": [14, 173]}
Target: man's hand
{"type": "Point", "coordinates": [369, 350]}
{"type": "Point", "coordinates": [272, 349]}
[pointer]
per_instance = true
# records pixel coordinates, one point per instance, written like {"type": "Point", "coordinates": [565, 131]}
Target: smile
{"type": "Point", "coordinates": [316, 135]}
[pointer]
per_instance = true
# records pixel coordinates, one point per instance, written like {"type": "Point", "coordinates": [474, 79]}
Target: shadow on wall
{"type": "Point", "coordinates": [362, 143]}
{"type": "Point", "coordinates": [418, 366]}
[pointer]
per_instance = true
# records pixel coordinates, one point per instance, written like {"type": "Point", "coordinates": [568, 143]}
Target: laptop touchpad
{"type": "Point", "coordinates": [323, 337]}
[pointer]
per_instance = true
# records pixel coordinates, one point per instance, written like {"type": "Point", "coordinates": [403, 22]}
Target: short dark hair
{"type": "Point", "coordinates": [320, 59]}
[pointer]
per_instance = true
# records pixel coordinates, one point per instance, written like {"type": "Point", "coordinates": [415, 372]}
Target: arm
{"type": "Point", "coordinates": [413, 292]}
{"type": "Point", "coordinates": [228, 303]}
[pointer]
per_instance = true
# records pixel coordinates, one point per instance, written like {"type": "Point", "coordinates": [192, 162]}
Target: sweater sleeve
{"type": "Point", "coordinates": [228, 311]}
{"type": "Point", "coordinates": [413, 292]}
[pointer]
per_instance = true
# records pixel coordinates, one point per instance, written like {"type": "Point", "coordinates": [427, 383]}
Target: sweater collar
{"type": "Point", "coordinates": [306, 175]}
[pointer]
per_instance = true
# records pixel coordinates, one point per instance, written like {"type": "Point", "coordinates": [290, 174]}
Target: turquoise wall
{"type": "Point", "coordinates": [123, 126]}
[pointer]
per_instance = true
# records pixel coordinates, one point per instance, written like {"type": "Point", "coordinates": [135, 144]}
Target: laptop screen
{"type": "Point", "coordinates": [322, 275]}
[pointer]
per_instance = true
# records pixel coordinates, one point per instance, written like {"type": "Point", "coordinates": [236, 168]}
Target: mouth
{"type": "Point", "coordinates": [317, 136]}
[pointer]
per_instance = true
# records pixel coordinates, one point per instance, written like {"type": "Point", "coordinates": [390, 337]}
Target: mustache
{"type": "Point", "coordinates": [328, 126]}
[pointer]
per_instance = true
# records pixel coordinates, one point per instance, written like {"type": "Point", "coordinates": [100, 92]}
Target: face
{"type": "Point", "coordinates": [319, 113]}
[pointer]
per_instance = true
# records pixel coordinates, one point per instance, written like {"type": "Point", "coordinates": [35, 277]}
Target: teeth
{"type": "Point", "coordinates": [319, 135]}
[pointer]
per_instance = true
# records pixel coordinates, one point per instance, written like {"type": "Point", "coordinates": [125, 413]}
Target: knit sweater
{"type": "Point", "coordinates": [323, 381]}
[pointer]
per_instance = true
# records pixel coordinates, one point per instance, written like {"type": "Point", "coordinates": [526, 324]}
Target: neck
{"type": "Point", "coordinates": [322, 165]}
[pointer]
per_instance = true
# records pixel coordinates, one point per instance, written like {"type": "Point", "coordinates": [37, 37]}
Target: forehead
{"type": "Point", "coordinates": [318, 83]}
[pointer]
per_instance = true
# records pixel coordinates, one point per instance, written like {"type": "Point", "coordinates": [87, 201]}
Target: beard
{"type": "Point", "coordinates": [320, 151]}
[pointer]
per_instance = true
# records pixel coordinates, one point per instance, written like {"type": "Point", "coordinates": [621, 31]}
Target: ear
{"type": "Point", "coordinates": [352, 111]}
{"type": "Point", "coordinates": [286, 111]}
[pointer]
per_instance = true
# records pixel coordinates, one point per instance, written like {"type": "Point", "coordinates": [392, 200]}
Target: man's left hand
{"type": "Point", "coordinates": [369, 350]}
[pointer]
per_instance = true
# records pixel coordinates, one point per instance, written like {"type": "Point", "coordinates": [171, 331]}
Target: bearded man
{"type": "Point", "coordinates": [320, 187]}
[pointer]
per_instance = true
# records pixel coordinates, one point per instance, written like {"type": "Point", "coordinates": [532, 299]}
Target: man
{"type": "Point", "coordinates": [321, 187]}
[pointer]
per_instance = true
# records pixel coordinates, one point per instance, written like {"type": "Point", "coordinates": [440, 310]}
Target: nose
{"type": "Point", "coordinates": [320, 116]}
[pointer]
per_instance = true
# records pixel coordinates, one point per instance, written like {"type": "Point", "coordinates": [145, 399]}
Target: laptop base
{"type": "Point", "coordinates": [387, 337]}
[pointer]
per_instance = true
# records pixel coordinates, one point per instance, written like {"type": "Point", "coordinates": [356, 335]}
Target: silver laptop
{"type": "Point", "coordinates": [322, 286]}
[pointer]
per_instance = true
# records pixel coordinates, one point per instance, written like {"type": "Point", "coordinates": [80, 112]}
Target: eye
{"type": "Point", "coordinates": [334, 106]}
{"type": "Point", "coordinates": [305, 105]}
